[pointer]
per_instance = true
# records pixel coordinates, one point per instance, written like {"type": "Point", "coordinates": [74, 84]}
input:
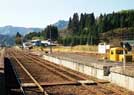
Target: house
{"type": "Point", "coordinates": [36, 42]}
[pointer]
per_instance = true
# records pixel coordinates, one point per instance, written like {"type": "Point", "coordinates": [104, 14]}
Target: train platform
{"type": "Point", "coordinates": [92, 61]}
{"type": "Point", "coordinates": [89, 64]}
{"type": "Point", "coordinates": [127, 70]}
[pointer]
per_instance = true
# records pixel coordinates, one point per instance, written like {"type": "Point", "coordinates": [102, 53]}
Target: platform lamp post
{"type": "Point", "coordinates": [123, 45]}
{"type": "Point", "coordinates": [124, 53]}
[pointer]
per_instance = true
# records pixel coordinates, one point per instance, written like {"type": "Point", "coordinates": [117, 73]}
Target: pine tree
{"type": "Point", "coordinates": [75, 23]}
{"type": "Point", "coordinates": [81, 23]}
{"type": "Point", "coordinates": [70, 23]}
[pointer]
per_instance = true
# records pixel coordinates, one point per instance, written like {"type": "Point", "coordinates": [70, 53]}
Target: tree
{"type": "Point", "coordinates": [51, 32]}
{"type": "Point", "coordinates": [32, 35]}
{"type": "Point", "coordinates": [75, 24]}
{"type": "Point", "coordinates": [18, 39]}
{"type": "Point", "coordinates": [81, 23]}
{"type": "Point", "coordinates": [70, 23]}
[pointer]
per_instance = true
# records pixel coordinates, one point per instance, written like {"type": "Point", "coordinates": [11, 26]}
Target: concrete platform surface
{"type": "Point", "coordinates": [128, 70]}
{"type": "Point", "coordinates": [94, 62]}
{"type": "Point", "coordinates": [88, 60]}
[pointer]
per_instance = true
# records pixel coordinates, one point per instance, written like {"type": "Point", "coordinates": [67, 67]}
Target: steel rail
{"type": "Point", "coordinates": [116, 91]}
{"type": "Point", "coordinates": [28, 73]}
{"type": "Point", "coordinates": [37, 61]}
{"type": "Point", "coordinates": [55, 66]}
{"type": "Point", "coordinates": [91, 90]}
{"type": "Point", "coordinates": [18, 80]}
{"type": "Point", "coordinates": [99, 84]}
{"type": "Point", "coordinates": [51, 69]}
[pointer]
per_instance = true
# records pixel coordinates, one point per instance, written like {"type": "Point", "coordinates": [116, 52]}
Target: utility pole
{"type": "Point", "coordinates": [91, 40]}
{"type": "Point", "coordinates": [50, 41]}
{"type": "Point", "coordinates": [22, 41]}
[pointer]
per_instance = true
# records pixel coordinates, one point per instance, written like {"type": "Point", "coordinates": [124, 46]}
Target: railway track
{"type": "Point", "coordinates": [47, 78]}
{"type": "Point", "coordinates": [119, 91]}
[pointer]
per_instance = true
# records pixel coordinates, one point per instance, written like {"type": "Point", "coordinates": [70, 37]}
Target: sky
{"type": "Point", "coordinates": [39, 13]}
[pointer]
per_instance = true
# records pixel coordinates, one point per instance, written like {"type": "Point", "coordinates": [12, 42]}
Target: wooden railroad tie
{"type": "Point", "coordinates": [80, 82]}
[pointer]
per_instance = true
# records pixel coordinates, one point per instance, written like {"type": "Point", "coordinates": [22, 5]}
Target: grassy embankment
{"type": "Point", "coordinates": [79, 48]}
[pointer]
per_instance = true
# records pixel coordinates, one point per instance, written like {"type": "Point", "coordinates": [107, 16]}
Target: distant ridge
{"type": "Point", "coordinates": [6, 40]}
{"type": "Point", "coordinates": [12, 30]}
{"type": "Point", "coordinates": [61, 24]}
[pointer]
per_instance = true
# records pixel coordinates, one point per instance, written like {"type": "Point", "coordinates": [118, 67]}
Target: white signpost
{"type": "Point", "coordinates": [102, 48]}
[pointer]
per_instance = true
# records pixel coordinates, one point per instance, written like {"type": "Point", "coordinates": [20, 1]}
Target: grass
{"type": "Point", "coordinates": [79, 48]}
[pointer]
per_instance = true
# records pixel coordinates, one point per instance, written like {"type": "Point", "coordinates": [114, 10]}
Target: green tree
{"type": "Point", "coordinates": [75, 23]}
{"type": "Point", "coordinates": [51, 32]}
{"type": "Point", "coordinates": [32, 35]}
{"type": "Point", "coordinates": [18, 39]}
{"type": "Point", "coordinates": [70, 23]}
{"type": "Point", "coordinates": [82, 23]}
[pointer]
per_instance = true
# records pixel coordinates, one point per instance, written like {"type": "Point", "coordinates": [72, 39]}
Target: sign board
{"type": "Point", "coordinates": [102, 47]}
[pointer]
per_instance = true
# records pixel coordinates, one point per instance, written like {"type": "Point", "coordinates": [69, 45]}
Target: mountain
{"type": "Point", "coordinates": [11, 30]}
{"type": "Point", "coordinates": [61, 24]}
{"type": "Point", "coordinates": [6, 40]}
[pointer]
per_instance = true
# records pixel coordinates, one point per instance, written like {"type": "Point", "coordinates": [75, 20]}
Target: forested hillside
{"type": "Point", "coordinates": [87, 29]}
{"type": "Point", "coordinates": [115, 36]}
